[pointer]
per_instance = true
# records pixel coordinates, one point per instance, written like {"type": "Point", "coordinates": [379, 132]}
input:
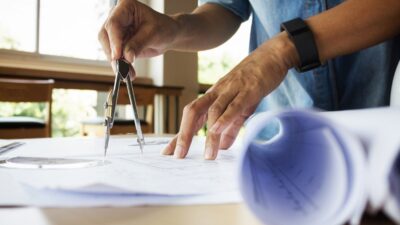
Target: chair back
{"type": "Point", "coordinates": [144, 100]}
{"type": "Point", "coordinates": [18, 90]}
{"type": "Point", "coordinates": [143, 96]}
{"type": "Point", "coordinates": [21, 90]}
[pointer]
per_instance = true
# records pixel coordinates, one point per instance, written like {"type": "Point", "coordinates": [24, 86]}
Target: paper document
{"type": "Point", "coordinates": [127, 176]}
{"type": "Point", "coordinates": [322, 168]}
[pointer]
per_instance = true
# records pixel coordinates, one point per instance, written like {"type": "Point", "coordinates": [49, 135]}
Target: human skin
{"type": "Point", "coordinates": [134, 30]}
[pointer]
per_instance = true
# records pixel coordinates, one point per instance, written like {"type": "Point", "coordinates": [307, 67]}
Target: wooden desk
{"type": "Point", "coordinates": [98, 82]}
{"type": "Point", "coordinates": [230, 214]}
{"type": "Point", "coordinates": [176, 215]}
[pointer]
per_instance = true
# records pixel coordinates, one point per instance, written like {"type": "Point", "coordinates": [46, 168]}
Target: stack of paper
{"type": "Point", "coordinates": [126, 178]}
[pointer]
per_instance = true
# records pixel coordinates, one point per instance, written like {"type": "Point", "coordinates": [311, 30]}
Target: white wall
{"type": "Point", "coordinates": [174, 68]}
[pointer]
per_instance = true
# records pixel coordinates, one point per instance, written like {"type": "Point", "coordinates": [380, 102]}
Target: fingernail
{"type": "Point", "coordinates": [209, 153]}
{"type": "Point", "coordinates": [178, 152]}
{"type": "Point", "coordinates": [113, 66]}
{"type": "Point", "coordinates": [132, 57]}
{"type": "Point", "coordinates": [127, 56]}
{"type": "Point", "coordinates": [165, 151]}
{"type": "Point", "coordinates": [113, 54]}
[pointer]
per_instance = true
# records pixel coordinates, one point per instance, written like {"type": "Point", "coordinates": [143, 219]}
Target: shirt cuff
{"type": "Point", "coordinates": [240, 8]}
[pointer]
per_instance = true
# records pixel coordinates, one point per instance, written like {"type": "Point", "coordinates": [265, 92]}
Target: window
{"type": "Point", "coordinates": [215, 63]}
{"type": "Point", "coordinates": [18, 25]}
{"type": "Point", "coordinates": [69, 27]}
{"type": "Point", "coordinates": [65, 27]}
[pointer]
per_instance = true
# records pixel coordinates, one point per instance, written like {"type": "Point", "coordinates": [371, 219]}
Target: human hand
{"type": "Point", "coordinates": [228, 103]}
{"type": "Point", "coordinates": [134, 30]}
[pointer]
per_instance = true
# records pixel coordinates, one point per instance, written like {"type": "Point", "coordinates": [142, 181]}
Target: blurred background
{"type": "Point", "coordinates": [63, 34]}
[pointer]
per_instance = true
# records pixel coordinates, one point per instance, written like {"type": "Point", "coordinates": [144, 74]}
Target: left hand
{"type": "Point", "coordinates": [228, 103]}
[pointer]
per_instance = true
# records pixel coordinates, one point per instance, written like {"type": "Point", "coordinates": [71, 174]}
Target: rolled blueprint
{"type": "Point", "coordinates": [322, 168]}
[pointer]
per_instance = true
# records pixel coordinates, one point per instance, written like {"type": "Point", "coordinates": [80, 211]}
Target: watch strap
{"type": "Point", "coordinates": [303, 39]}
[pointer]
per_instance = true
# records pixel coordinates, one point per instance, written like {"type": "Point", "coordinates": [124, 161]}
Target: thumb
{"type": "Point", "coordinates": [132, 73]}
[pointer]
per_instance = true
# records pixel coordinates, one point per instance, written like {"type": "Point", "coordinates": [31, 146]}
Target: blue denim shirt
{"type": "Point", "coordinates": [359, 80]}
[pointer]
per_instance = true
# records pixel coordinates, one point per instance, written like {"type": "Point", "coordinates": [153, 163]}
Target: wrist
{"type": "Point", "coordinates": [273, 59]}
{"type": "Point", "coordinates": [179, 29]}
{"type": "Point", "coordinates": [286, 51]}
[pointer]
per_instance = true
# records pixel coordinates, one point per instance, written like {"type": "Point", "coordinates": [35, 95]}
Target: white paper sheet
{"type": "Point", "coordinates": [130, 178]}
{"type": "Point", "coordinates": [4, 142]}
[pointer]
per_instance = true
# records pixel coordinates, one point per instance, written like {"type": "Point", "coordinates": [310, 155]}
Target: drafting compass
{"type": "Point", "coordinates": [123, 73]}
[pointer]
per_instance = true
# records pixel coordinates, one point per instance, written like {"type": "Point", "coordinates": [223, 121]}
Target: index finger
{"type": "Point", "coordinates": [105, 42]}
{"type": "Point", "coordinates": [118, 20]}
{"type": "Point", "coordinates": [191, 117]}
{"type": "Point", "coordinates": [215, 111]}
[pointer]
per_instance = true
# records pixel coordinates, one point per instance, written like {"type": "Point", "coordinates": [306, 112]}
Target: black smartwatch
{"type": "Point", "coordinates": [304, 42]}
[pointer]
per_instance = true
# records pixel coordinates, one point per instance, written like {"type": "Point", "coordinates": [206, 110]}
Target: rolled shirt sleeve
{"type": "Point", "coordinates": [240, 8]}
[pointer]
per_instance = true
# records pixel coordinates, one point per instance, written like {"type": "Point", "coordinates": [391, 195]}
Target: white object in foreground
{"type": "Point", "coordinates": [322, 168]}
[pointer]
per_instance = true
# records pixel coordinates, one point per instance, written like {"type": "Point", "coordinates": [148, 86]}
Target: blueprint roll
{"type": "Point", "coordinates": [321, 168]}
{"type": "Point", "coordinates": [304, 174]}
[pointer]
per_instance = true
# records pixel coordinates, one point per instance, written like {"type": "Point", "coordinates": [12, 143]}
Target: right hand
{"type": "Point", "coordinates": [134, 30]}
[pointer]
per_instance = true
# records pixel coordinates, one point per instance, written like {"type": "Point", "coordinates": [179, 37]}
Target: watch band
{"type": "Point", "coordinates": [304, 42]}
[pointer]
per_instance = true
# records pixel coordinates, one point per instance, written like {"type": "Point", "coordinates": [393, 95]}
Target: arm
{"type": "Point", "coordinates": [351, 26]}
{"type": "Point", "coordinates": [135, 30]}
{"type": "Point", "coordinates": [208, 26]}
{"type": "Point", "coordinates": [354, 25]}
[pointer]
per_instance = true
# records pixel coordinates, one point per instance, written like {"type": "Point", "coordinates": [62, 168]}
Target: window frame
{"type": "Point", "coordinates": [36, 57]}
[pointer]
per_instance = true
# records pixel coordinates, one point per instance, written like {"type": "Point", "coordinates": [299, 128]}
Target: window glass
{"type": "Point", "coordinates": [69, 27]}
{"type": "Point", "coordinates": [18, 25]}
{"type": "Point", "coordinates": [215, 63]}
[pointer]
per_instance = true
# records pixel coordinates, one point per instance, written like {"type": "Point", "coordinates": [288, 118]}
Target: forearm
{"type": "Point", "coordinates": [206, 27]}
{"type": "Point", "coordinates": [354, 25]}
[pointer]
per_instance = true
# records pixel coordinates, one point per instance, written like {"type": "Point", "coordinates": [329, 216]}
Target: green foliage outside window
{"type": "Point", "coordinates": [6, 41]}
{"type": "Point", "coordinates": [212, 68]}
{"type": "Point", "coordinates": [36, 110]}
{"type": "Point", "coordinates": [69, 108]}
